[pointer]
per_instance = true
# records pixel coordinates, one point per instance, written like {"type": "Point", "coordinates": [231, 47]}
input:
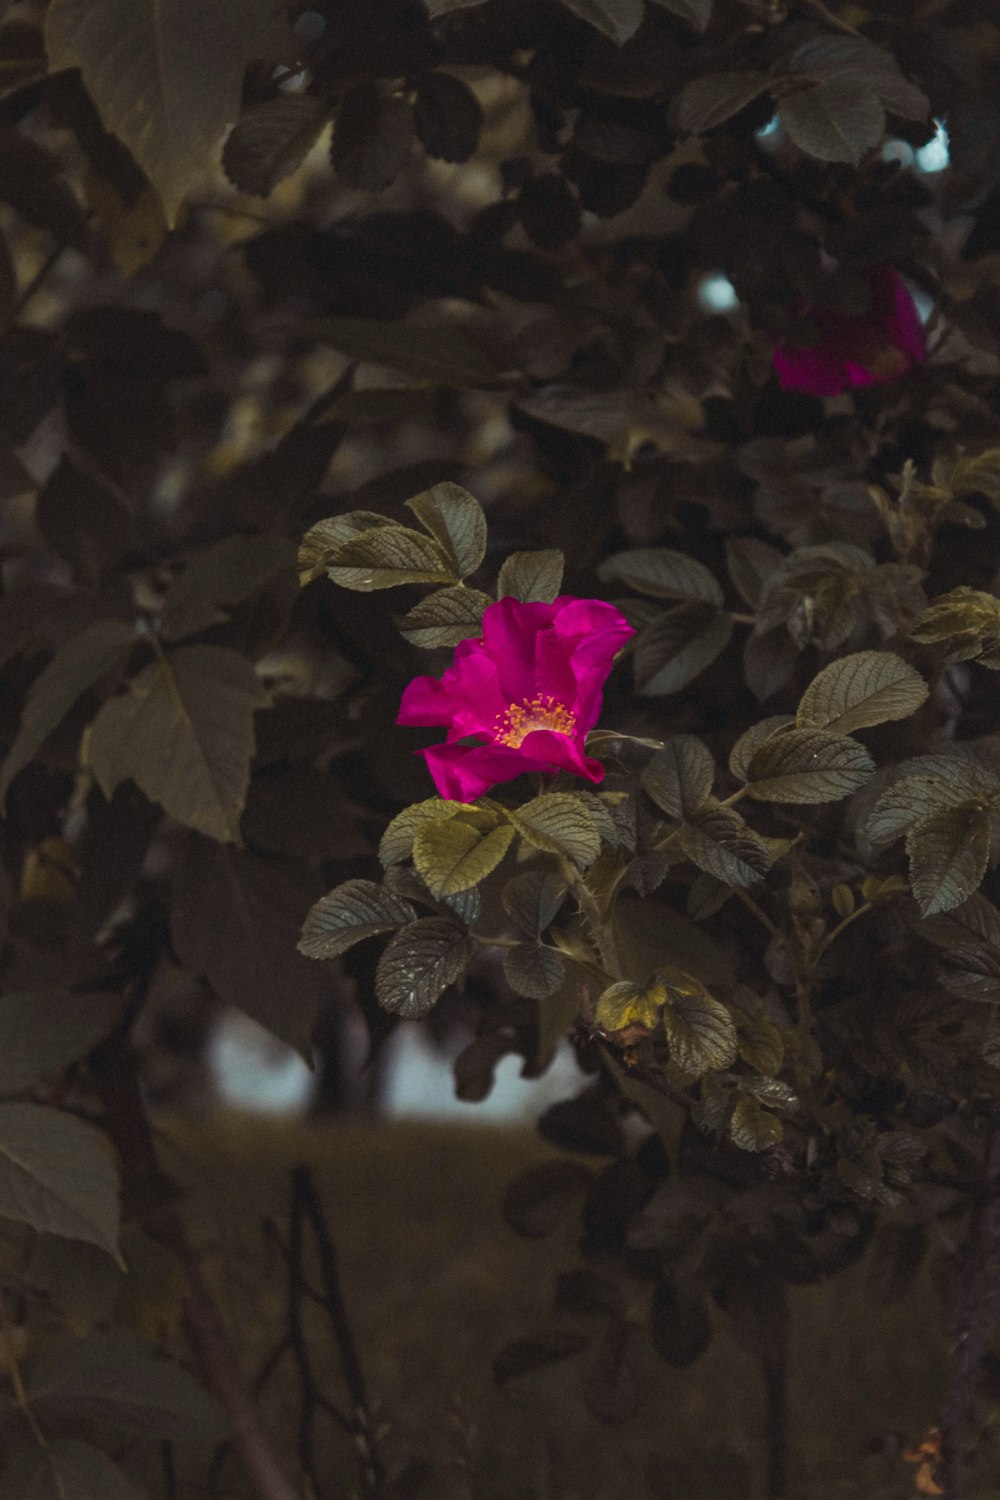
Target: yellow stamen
{"type": "Point", "coordinates": [522, 719]}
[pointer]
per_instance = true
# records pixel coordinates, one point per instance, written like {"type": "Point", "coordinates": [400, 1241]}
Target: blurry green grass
{"type": "Point", "coordinates": [437, 1283]}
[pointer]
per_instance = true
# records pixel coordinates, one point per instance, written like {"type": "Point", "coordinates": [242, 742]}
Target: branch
{"type": "Point", "coordinates": [128, 1126]}
{"type": "Point", "coordinates": [306, 1205]}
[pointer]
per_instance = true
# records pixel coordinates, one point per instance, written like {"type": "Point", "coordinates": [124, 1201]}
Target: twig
{"type": "Point", "coordinates": [306, 1205]}
{"type": "Point", "coordinates": [128, 1126]}
{"type": "Point", "coordinates": [978, 1316]}
{"type": "Point", "coordinates": [36, 281]}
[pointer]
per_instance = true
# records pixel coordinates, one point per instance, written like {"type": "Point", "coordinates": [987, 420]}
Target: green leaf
{"type": "Point", "coordinates": [834, 121]}
{"type": "Point", "coordinates": [663, 574]}
{"type": "Point", "coordinates": [351, 912]}
{"type": "Point", "coordinates": [750, 563]}
{"type": "Point", "coordinates": [672, 651]}
{"type": "Point", "coordinates": [225, 575]}
{"type": "Point", "coordinates": [558, 823]}
{"type": "Point", "coordinates": [184, 733]}
{"type": "Point", "coordinates": [532, 577]}
{"type": "Point", "coordinates": [443, 355]}
{"type": "Point", "coordinates": [418, 965]}
{"type": "Point", "coordinates": [166, 75]}
{"type": "Point", "coordinates": [123, 1383]}
{"type": "Point", "coordinates": [43, 1033]}
{"type": "Point", "coordinates": [679, 777]}
{"type": "Point", "coordinates": [826, 57]}
{"type": "Point", "coordinates": [271, 141]}
{"type": "Point", "coordinates": [699, 1028]}
{"type": "Point", "coordinates": [66, 1470]}
{"type": "Point", "coordinates": [712, 98]}
{"type": "Point", "coordinates": [77, 666]}
{"type": "Point", "coordinates": [532, 971]}
{"type": "Point", "coordinates": [456, 521]}
{"type": "Point", "coordinates": [752, 1127]}
{"type": "Point", "coordinates": [321, 542]}
{"type": "Point", "coordinates": [948, 852]}
{"type": "Point", "coordinates": [58, 1175]}
{"type": "Point", "coordinates": [750, 742]}
{"type": "Point", "coordinates": [966, 622]}
{"type": "Point", "coordinates": [397, 841]}
{"type": "Point", "coordinates": [942, 781]}
{"type": "Point", "coordinates": [719, 842]}
{"type": "Point", "coordinates": [857, 691]}
{"type": "Point", "coordinates": [445, 618]}
{"type": "Point", "coordinates": [451, 856]}
{"type": "Point", "coordinates": [533, 900]}
{"type": "Point", "coordinates": [618, 19]}
{"type": "Point", "coordinates": [625, 1003]}
{"type": "Point", "coordinates": [697, 12]}
{"type": "Point", "coordinates": [387, 556]}
{"type": "Point", "coordinates": [808, 765]}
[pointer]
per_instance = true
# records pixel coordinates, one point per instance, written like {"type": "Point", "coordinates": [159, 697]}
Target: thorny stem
{"type": "Point", "coordinates": [976, 1323]}
{"type": "Point", "coordinates": [599, 930]}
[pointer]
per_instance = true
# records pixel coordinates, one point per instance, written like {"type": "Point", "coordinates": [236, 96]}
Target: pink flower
{"type": "Point", "coordinates": [871, 349]}
{"type": "Point", "coordinates": [528, 690]}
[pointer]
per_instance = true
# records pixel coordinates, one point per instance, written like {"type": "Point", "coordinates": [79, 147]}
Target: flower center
{"type": "Point", "coordinates": [522, 719]}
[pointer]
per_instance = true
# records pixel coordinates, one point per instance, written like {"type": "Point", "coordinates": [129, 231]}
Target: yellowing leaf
{"type": "Point", "coordinates": [627, 1004]}
{"type": "Point", "coordinates": [397, 841]}
{"type": "Point", "coordinates": [451, 856]}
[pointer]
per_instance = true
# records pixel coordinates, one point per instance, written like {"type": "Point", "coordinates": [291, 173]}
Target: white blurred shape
{"type": "Point", "coordinates": [767, 135]}
{"type": "Point", "coordinates": [901, 151]}
{"type": "Point", "coordinates": [309, 27]}
{"type": "Point", "coordinates": [716, 293]}
{"type": "Point", "coordinates": [254, 1070]}
{"type": "Point", "coordinates": [935, 156]}
{"type": "Point", "coordinates": [419, 1083]}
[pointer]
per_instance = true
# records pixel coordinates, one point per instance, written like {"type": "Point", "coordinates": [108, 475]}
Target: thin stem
{"type": "Point", "coordinates": [832, 936]}
{"type": "Point", "coordinates": [759, 913]}
{"type": "Point", "coordinates": [10, 1361]}
{"type": "Point", "coordinates": [741, 619]}
{"type": "Point", "coordinates": [306, 1205]}
{"type": "Point", "coordinates": [36, 281]}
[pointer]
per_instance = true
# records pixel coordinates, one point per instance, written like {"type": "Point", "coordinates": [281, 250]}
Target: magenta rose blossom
{"type": "Point", "coordinates": [872, 349]}
{"type": "Point", "coordinates": [528, 691]}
